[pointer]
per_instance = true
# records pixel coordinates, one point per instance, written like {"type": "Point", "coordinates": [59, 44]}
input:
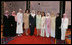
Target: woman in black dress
{"type": "Point", "coordinates": [13, 21]}
{"type": "Point", "coordinates": [58, 25]}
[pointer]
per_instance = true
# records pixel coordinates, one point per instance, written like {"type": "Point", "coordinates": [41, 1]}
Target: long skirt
{"type": "Point", "coordinates": [19, 28]}
{"type": "Point", "coordinates": [42, 32]}
{"type": "Point", "coordinates": [53, 33]}
{"type": "Point", "coordinates": [6, 32]}
{"type": "Point", "coordinates": [58, 33]}
{"type": "Point", "coordinates": [63, 32]}
{"type": "Point", "coordinates": [13, 30]}
{"type": "Point", "coordinates": [47, 31]}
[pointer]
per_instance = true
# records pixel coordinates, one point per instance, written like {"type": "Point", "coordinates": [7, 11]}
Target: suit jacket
{"type": "Point", "coordinates": [32, 21]}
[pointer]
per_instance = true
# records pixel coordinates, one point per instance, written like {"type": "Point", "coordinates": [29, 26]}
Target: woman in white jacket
{"type": "Point", "coordinates": [64, 26]}
{"type": "Point", "coordinates": [19, 30]}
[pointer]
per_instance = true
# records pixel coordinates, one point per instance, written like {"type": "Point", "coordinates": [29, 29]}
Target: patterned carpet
{"type": "Point", "coordinates": [52, 40]}
{"type": "Point", "coordinates": [6, 40]}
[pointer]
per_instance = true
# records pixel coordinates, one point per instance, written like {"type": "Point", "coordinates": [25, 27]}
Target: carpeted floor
{"type": "Point", "coordinates": [31, 39]}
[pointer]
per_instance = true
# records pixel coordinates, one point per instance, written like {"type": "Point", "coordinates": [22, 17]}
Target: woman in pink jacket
{"type": "Point", "coordinates": [47, 25]}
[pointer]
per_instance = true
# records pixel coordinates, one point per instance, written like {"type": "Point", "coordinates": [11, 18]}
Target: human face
{"type": "Point", "coordinates": [20, 10]}
{"type": "Point", "coordinates": [57, 15]}
{"type": "Point", "coordinates": [27, 11]}
{"type": "Point", "coordinates": [13, 12]}
{"type": "Point", "coordinates": [47, 15]}
{"type": "Point", "coordinates": [42, 13]}
{"type": "Point", "coordinates": [39, 13]}
{"type": "Point", "coordinates": [7, 12]}
{"type": "Point", "coordinates": [33, 11]}
{"type": "Point", "coordinates": [64, 15]}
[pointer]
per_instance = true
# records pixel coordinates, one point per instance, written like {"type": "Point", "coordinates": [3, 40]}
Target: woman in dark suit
{"type": "Point", "coordinates": [32, 22]}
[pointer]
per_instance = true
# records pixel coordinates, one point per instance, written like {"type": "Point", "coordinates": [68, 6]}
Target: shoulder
{"type": "Point", "coordinates": [66, 18]}
{"type": "Point", "coordinates": [30, 15]}
{"type": "Point", "coordinates": [35, 15]}
{"type": "Point", "coordinates": [24, 13]}
{"type": "Point", "coordinates": [11, 16]}
{"type": "Point", "coordinates": [4, 16]}
{"type": "Point", "coordinates": [17, 13]}
{"type": "Point", "coordinates": [44, 17]}
{"type": "Point", "coordinates": [61, 18]}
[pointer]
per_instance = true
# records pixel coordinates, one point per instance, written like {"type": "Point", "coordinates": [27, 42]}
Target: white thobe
{"type": "Point", "coordinates": [19, 20]}
{"type": "Point", "coordinates": [64, 26]}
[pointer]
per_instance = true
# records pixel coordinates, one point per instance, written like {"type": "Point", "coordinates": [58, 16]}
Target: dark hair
{"type": "Point", "coordinates": [28, 10]}
{"type": "Point", "coordinates": [59, 14]}
{"type": "Point", "coordinates": [43, 12]}
{"type": "Point", "coordinates": [38, 11]}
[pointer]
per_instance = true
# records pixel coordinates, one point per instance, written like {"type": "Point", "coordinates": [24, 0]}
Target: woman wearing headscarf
{"type": "Point", "coordinates": [58, 25]}
{"type": "Point", "coordinates": [53, 17]}
{"type": "Point", "coordinates": [13, 20]}
{"type": "Point", "coordinates": [26, 21]}
{"type": "Point", "coordinates": [15, 16]}
{"type": "Point", "coordinates": [43, 24]}
{"type": "Point", "coordinates": [19, 30]}
{"type": "Point", "coordinates": [8, 23]}
{"type": "Point", "coordinates": [32, 22]}
{"type": "Point", "coordinates": [38, 22]}
{"type": "Point", "coordinates": [64, 26]}
{"type": "Point", "coordinates": [47, 25]}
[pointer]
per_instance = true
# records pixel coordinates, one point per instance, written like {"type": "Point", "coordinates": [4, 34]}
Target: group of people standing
{"type": "Point", "coordinates": [49, 24]}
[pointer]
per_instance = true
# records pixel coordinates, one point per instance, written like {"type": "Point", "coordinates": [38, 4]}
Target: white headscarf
{"type": "Point", "coordinates": [64, 15]}
{"type": "Point", "coordinates": [6, 13]}
{"type": "Point", "coordinates": [33, 13]}
{"type": "Point", "coordinates": [20, 10]}
{"type": "Point", "coordinates": [47, 15]}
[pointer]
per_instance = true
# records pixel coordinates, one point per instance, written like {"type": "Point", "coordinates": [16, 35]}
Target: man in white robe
{"type": "Point", "coordinates": [19, 30]}
{"type": "Point", "coordinates": [64, 26]}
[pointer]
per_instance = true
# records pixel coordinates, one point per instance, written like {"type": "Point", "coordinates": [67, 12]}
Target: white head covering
{"type": "Point", "coordinates": [64, 15]}
{"type": "Point", "coordinates": [48, 15]}
{"type": "Point", "coordinates": [33, 13]}
{"type": "Point", "coordinates": [6, 13]}
{"type": "Point", "coordinates": [20, 10]}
